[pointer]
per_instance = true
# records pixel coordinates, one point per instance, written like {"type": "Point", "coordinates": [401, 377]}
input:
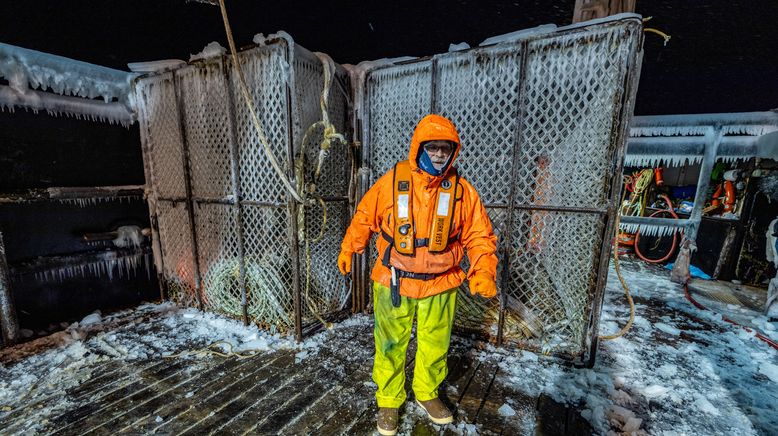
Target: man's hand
{"type": "Point", "coordinates": [344, 263]}
{"type": "Point", "coordinates": [483, 285]}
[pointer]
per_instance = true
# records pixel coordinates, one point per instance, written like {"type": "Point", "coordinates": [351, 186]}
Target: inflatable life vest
{"type": "Point", "coordinates": [421, 258]}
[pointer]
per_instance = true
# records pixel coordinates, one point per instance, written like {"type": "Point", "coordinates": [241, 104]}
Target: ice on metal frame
{"type": "Point", "coordinates": [519, 34]}
{"type": "Point", "coordinates": [58, 105]}
{"type": "Point", "coordinates": [544, 29]}
{"type": "Point", "coordinates": [121, 266]}
{"type": "Point", "coordinates": [128, 236]}
{"type": "Point", "coordinates": [213, 49]}
{"type": "Point", "coordinates": [92, 201]}
{"type": "Point", "coordinates": [652, 161]}
{"type": "Point", "coordinates": [458, 47]}
{"type": "Point", "coordinates": [23, 67]}
{"type": "Point", "coordinates": [648, 229]}
{"type": "Point", "coordinates": [155, 66]}
{"type": "Point", "coordinates": [743, 123]}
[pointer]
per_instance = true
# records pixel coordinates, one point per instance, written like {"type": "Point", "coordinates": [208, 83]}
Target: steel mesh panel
{"type": "Point", "coordinates": [474, 313]}
{"type": "Point", "coordinates": [326, 290]}
{"type": "Point", "coordinates": [217, 243]}
{"type": "Point", "coordinates": [159, 116]}
{"type": "Point", "coordinates": [572, 93]}
{"type": "Point", "coordinates": [204, 99]}
{"type": "Point", "coordinates": [551, 277]}
{"type": "Point", "coordinates": [266, 236]}
{"type": "Point", "coordinates": [398, 97]}
{"type": "Point", "coordinates": [178, 257]}
{"type": "Point", "coordinates": [479, 92]}
{"type": "Point", "coordinates": [266, 72]}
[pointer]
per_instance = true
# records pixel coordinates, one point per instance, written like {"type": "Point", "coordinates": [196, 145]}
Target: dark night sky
{"type": "Point", "coordinates": [723, 56]}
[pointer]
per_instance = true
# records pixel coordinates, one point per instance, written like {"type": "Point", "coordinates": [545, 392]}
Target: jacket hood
{"type": "Point", "coordinates": [433, 128]}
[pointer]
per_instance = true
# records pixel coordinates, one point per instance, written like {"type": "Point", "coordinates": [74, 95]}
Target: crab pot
{"type": "Point", "coordinates": [229, 236]}
{"type": "Point", "coordinates": [543, 119]}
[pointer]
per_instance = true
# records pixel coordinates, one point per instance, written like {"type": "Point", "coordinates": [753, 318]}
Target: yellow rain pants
{"type": "Point", "coordinates": [434, 318]}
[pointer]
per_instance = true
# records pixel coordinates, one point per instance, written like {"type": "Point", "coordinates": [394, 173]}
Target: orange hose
{"type": "Point", "coordinates": [675, 235]}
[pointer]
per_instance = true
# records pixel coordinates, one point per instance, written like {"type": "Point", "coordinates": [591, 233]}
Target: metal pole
{"type": "Point", "coordinates": [680, 272]}
{"type": "Point", "coordinates": [150, 191]}
{"type": "Point", "coordinates": [188, 185]}
{"type": "Point", "coordinates": [8, 322]}
{"type": "Point", "coordinates": [627, 109]}
{"type": "Point", "coordinates": [507, 236]}
{"type": "Point", "coordinates": [292, 205]}
{"type": "Point", "coordinates": [236, 191]}
{"type": "Point", "coordinates": [434, 85]}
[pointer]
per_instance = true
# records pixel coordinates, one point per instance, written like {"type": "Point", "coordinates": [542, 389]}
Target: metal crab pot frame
{"type": "Point", "coordinates": [543, 121]}
{"type": "Point", "coordinates": [225, 229]}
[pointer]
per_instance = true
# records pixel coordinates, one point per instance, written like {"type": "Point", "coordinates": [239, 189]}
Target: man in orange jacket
{"type": "Point", "coordinates": [426, 216]}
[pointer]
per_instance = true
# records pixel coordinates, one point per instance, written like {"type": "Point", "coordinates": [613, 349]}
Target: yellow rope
{"type": "Point", "coordinates": [330, 133]}
{"type": "Point", "coordinates": [665, 36]}
{"type": "Point", "coordinates": [249, 103]}
{"type": "Point", "coordinates": [658, 32]}
{"type": "Point", "coordinates": [616, 265]}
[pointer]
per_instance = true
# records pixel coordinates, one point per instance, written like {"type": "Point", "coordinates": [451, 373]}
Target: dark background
{"type": "Point", "coordinates": [723, 57]}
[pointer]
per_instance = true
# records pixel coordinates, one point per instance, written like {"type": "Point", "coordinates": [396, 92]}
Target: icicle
{"type": "Point", "coordinates": [648, 229]}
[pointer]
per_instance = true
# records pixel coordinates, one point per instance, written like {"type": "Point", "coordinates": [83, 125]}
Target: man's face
{"type": "Point", "coordinates": [439, 152]}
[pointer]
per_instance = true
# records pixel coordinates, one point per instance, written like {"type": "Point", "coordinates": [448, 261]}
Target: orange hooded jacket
{"type": "Point", "coordinates": [471, 222]}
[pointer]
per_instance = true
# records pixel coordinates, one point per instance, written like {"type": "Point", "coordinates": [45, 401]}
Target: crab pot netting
{"type": "Point", "coordinates": [224, 219]}
{"type": "Point", "coordinates": [541, 121]}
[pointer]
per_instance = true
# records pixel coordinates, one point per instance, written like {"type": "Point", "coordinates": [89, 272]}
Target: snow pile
{"type": "Point", "coordinates": [213, 49]}
{"type": "Point", "coordinates": [659, 379]}
{"type": "Point", "coordinates": [45, 368]}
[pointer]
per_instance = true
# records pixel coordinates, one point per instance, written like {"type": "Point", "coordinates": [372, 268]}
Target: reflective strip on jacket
{"type": "Point", "coordinates": [471, 222]}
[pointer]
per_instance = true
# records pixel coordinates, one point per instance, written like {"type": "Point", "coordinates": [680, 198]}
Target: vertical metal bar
{"type": "Point", "coordinates": [8, 322]}
{"type": "Point", "coordinates": [293, 206]}
{"type": "Point", "coordinates": [367, 150]}
{"type": "Point", "coordinates": [236, 191]}
{"type": "Point", "coordinates": [680, 272]}
{"type": "Point", "coordinates": [630, 81]}
{"type": "Point", "coordinates": [713, 140]}
{"type": "Point", "coordinates": [434, 85]}
{"type": "Point", "coordinates": [190, 203]}
{"type": "Point", "coordinates": [151, 194]}
{"type": "Point", "coordinates": [508, 234]}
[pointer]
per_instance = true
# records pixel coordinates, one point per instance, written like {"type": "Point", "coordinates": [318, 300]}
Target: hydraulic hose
{"type": "Point", "coordinates": [672, 213]}
{"type": "Point", "coordinates": [758, 335]}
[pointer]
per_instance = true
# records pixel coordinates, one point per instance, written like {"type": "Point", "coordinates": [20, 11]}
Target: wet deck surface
{"type": "Point", "coordinates": [330, 392]}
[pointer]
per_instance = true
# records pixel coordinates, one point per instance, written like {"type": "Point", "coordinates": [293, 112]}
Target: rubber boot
{"type": "Point", "coordinates": [437, 411]}
{"type": "Point", "coordinates": [387, 421]}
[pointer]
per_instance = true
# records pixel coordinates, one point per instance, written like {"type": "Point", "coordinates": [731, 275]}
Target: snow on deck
{"type": "Point", "coordinates": [679, 370]}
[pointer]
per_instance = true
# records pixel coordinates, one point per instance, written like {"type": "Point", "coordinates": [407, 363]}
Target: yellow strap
{"type": "Point", "coordinates": [404, 233]}
{"type": "Point", "coordinates": [444, 213]}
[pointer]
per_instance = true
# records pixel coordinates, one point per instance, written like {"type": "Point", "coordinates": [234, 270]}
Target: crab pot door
{"type": "Point", "coordinates": [229, 238]}
{"type": "Point", "coordinates": [542, 121]}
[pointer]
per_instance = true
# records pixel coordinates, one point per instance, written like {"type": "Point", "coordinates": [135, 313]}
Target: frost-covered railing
{"type": "Point", "coordinates": [59, 85]}
{"type": "Point", "coordinates": [542, 115]}
{"type": "Point", "coordinates": [226, 230]}
{"type": "Point", "coordinates": [702, 139]}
